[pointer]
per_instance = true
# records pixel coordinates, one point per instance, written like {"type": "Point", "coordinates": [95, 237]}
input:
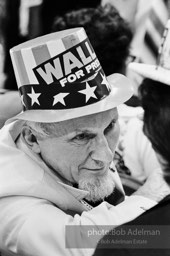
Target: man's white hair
{"type": "Point", "coordinates": [42, 129]}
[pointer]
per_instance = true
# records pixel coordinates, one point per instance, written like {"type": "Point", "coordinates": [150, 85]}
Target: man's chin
{"type": "Point", "coordinates": [98, 187]}
{"type": "Point", "coordinates": [97, 199]}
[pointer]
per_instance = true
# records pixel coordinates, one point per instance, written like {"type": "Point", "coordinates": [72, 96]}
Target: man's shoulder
{"type": "Point", "coordinates": [21, 208]}
{"type": "Point", "coordinates": [23, 219]}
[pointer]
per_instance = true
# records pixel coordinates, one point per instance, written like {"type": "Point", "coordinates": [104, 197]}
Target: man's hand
{"type": "Point", "coordinates": [155, 187]}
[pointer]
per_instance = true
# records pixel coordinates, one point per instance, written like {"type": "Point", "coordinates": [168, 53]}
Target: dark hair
{"type": "Point", "coordinates": [155, 99]}
{"type": "Point", "coordinates": [108, 33]}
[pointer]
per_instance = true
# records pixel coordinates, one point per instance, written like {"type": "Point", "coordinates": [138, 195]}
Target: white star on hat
{"type": "Point", "coordinates": [104, 81]}
{"type": "Point", "coordinates": [59, 98]}
{"type": "Point", "coordinates": [89, 92]}
{"type": "Point", "coordinates": [34, 97]}
{"type": "Point", "coordinates": [22, 100]}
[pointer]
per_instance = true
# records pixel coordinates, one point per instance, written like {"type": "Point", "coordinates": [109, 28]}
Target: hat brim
{"type": "Point", "coordinates": [153, 72]}
{"type": "Point", "coordinates": [122, 90]}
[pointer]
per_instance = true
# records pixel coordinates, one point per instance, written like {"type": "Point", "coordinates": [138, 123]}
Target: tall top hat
{"type": "Point", "coordinates": [161, 71]}
{"type": "Point", "coordinates": [59, 77]}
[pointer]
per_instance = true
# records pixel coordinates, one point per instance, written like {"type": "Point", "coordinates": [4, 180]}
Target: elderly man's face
{"type": "Point", "coordinates": [83, 148]}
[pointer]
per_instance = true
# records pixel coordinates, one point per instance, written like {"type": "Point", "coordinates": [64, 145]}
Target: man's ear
{"type": "Point", "coordinates": [30, 139]}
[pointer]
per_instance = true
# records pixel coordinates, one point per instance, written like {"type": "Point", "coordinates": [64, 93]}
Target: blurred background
{"type": "Point", "coordinates": [21, 20]}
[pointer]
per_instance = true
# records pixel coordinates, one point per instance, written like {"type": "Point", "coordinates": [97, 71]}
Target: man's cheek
{"type": "Point", "coordinates": [75, 158]}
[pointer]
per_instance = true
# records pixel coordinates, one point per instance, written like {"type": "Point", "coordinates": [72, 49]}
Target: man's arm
{"type": "Point", "coordinates": [47, 228]}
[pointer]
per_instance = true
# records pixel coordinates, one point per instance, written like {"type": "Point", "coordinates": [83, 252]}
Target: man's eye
{"type": "Point", "coordinates": [81, 137]}
{"type": "Point", "coordinates": [110, 127]}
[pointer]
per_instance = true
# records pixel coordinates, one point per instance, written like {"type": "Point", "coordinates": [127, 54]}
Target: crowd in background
{"type": "Point", "coordinates": [21, 20]}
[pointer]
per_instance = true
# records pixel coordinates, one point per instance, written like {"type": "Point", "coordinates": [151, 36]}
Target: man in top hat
{"type": "Point", "coordinates": [56, 169]}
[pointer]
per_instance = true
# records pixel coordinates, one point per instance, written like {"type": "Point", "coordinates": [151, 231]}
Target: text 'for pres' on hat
{"type": "Point", "coordinates": [59, 77]}
{"type": "Point", "coordinates": [161, 71]}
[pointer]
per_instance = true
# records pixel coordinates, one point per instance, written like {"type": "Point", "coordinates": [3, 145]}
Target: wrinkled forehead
{"type": "Point", "coordinates": [90, 122]}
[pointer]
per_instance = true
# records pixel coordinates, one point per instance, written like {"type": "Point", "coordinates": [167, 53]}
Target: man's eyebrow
{"type": "Point", "coordinates": [83, 130]}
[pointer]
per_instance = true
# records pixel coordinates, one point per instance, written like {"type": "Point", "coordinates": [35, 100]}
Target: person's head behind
{"type": "Point", "coordinates": [109, 34]}
{"type": "Point", "coordinates": [155, 99]}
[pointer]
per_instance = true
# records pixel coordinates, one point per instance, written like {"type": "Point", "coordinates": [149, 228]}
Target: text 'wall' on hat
{"type": "Point", "coordinates": [59, 77]}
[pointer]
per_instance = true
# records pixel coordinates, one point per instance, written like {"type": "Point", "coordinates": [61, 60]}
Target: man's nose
{"type": "Point", "coordinates": [101, 152]}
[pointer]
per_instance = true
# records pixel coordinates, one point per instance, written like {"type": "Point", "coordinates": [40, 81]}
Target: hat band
{"type": "Point", "coordinates": [72, 95]}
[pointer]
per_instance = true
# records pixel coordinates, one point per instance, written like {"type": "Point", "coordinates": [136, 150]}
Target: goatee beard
{"type": "Point", "coordinates": [98, 187]}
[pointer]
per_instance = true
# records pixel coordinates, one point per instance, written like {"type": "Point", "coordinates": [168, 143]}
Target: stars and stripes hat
{"type": "Point", "coordinates": [59, 77]}
{"type": "Point", "coordinates": [161, 70]}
